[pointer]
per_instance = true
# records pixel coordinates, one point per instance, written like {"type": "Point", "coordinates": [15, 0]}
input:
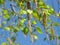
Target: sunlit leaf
{"type": "Point", "coordinates": [22, 12]}
{"type": "Point", "coordinates": [23, 20]}
{"type": "Point", "coordinates": [33, 22]}
{"type": "Point", "coordinates": [6, 16]}
{"type": "Point", "coordinates": [4, 11]}
{"type": "Point", "coordinates": [58, 14]}
{"type": "Point", "coordinates": [35, 15]}
{"type": "Point", "coordinates": [51, 11]}
{"type": "Point", "coordinates": [41, 4]}
{"type": "Point", "coordinates": [38, 30]}
{"type": "Point", "coordinates": [29, 11]}
{"type": "Point", "coordinates": [46, 12]}
{"type": "Point", "coordinates": [7, 28]}
{"type": "Point", "coordinates": [4, 43]}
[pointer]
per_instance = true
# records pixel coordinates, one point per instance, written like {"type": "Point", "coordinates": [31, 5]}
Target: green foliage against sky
{"type": "Point", "coordinates": [27, 18]}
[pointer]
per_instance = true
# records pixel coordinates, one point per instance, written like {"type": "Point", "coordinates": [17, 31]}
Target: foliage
{"type": "Point", "coordinates": [27, 18]}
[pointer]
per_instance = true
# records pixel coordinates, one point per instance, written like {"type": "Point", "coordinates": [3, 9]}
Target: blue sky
{"type": "Point", "coordinates": [26, 40]}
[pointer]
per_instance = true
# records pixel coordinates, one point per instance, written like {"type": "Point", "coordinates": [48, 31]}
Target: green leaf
{"type": "Point", "coordinates": [48, 19]}
{"type": "Point", "coordinates": [16, 29]}
{"type": "Point", "coordinates": [56, 24]}
{"type": "Point", "coordinates": [2, 1]}
{"type": "Point", "coordinates": [46, 11]}
{"type": "Point", "coordinates": [34, 22]}
{"type": "Point", "coordinates": [23, 20]}
{"type": "Point", "coordinates": [38, 30]}
{"type": "Point", "coordinates": [4, 22]}
{"type": "Point", "coordinates": [58, 14]}
{"type": "Point", "coordinates": [51, 11]}
{"type": "Point", "coordinates": [22, 12]}
{"type": "Point", "coordinates": [25, 31]}
{"type": "Point", "coordinates": [7, 28]}
{"type": "Point", "coordinates": [41, 4]}
{"type": "Point", "coordinates": [29, 11]}
{"type": "Point", "coordinates": [6, 16]}
{"type": "Point", "coordinates": [35, 15]}
{"type": "Point", "coordinates": [4, 11]}
{"type": "Point", "coordinates": [47, 6]}
{"type": "Point", "coordinates": [4, 43]}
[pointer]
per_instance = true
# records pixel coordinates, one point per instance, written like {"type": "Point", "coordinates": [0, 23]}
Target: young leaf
{"type": "Point", "coordinates": [25, 31]}
{"type": "Point", "coordinates": [7, 28]}
{"type": "Point", "coordinates": [38, 30]}
{"type": "Point", "coordinates": [6, 16]}
{"type": "Point", "coordinates": [34, 22]}
{"type": "Point", "coordinates": [4, 43]}
{"type": "Point", "coordinates": [29, 11]}
{"type": "Point", "coordinates": [5, 12]}
{"type": "Point", "coordinates": [23, 20]}
{"type": "Point", "coordinates": [22, 12]}
{"type": "Point", "coordinates": [51, 11]}
{"type": "Point", "coordinates": [56, 24]}
{"type": "Point", "coordinates": [35, 15]}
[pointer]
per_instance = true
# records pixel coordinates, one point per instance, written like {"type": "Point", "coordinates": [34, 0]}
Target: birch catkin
{"type": "Point", "coordinates": [29, 23]}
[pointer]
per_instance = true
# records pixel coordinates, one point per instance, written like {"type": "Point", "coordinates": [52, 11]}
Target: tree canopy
{"type": "Point", "coordinates": [24, 16]}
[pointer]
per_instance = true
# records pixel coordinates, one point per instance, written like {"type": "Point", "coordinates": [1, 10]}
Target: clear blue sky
{"type": "Point", "coordinates": [26, 40]}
